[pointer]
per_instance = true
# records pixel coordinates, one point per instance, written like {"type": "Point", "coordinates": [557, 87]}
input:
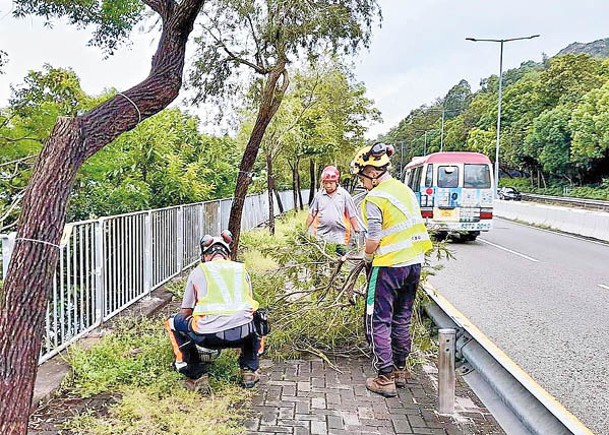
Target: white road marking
{"type": "Point", "coordinates": [509, 250]}
{"type": "Point", "coordinates": [606, 287]}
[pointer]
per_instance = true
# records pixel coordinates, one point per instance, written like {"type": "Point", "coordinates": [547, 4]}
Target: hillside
{"type": "Point", "coordinates": [598, 48]}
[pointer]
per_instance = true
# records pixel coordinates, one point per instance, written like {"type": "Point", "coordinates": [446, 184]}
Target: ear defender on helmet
{"type": "Point", "coordinates": [227, 236]}
{"type": "Point", "coordinates": [213, 245]}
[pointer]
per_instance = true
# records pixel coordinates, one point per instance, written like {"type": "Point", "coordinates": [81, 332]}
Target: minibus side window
{"type": "Point", "coordinates": [476, 176]}
{"type": "Point", "coordinates": [416, 179]}
{"type": "Point", "coordinates": [448, 176]}
{"type": "Point", "coordinates": [429, 176]}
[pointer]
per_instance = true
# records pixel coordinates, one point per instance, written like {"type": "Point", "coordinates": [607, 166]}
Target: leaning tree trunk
{"type": "Point", "coordinates": [270, 187]}
{"type": "Point", "coordinates": [313, 181]}
{"type": "Point", "coordinates": [24, 298]}
{"type": "Point", "coordinates": [271, 100]}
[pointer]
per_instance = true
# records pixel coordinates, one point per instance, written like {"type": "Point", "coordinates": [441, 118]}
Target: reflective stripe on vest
{"type": "Point", "coordinates": [227, 289]}
{"type": "Point", "coordinates": [403, 233]}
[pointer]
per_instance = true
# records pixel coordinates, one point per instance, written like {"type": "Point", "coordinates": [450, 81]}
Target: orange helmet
{"type": "Point", "coordinates": [330, 173]}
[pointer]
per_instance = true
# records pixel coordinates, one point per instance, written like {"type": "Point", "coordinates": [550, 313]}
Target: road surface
{"type": "Point", "coordinates": [543, 298]}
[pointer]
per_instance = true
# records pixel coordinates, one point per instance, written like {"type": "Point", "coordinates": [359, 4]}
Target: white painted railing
{"type": "Point", "coordinates": [106, 265]}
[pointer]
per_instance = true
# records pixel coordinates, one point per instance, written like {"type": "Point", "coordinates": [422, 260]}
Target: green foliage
{"type": "Point", "coordinates": [133, 354]}
{"type": "Point", "coordinates": [134, 362]}
{"type": "Point", "coordinates": [164, 161]}
{"type": "Point", "coordinates": [322, 116]}
{"type": "Point", "coordinates": [553, 123]}
{"type": "Point", "coordinates": [262, 34]}
{"type": "Point", "coordinates": [27, 123]}
{"type": "Point", "coordinates": [3, 61]}
{"type": "Point", "coordinates": [113, 19]}
{"type": "Point", "coordinates": [309, 311]}
{"type": "Point", "coordinates": [141, 411]}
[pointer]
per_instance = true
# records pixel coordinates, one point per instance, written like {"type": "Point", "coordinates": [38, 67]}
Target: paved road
{"type": "Point", "coordinates": [543, 298]}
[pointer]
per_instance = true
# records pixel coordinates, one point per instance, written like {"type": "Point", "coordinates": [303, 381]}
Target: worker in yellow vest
{"type": "Point", "coordinates": [217, 312]}
{"type": "Point", "coordinates": [395, 245]}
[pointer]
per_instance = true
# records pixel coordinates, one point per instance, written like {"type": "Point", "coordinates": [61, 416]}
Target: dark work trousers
{"type": "Point", "coordinates": [184, 342]}
{"type": "Point", "coordinates": [391, 294]}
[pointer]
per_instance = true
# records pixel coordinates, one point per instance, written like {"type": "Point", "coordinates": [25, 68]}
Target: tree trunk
{"type": "Point", "coordinates": [313, 181]}
{"type": "Point", "coordinates": [294, 168]}
{"type": "Point", "coordinates": [24, 298]}
{"type": "Point", "coordinates": [300, 205]}
{"type": "Point", "coordinates": [279, 203]}
{"type": "Point", "coordinates": [270, 187]}
{"type": "Point", "coordinates": [271, 100]}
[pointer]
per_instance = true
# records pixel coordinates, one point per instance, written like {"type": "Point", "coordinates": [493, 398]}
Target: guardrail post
{"type": "Point", "coordinates": [8, 243]}
{"type": "Point", "coordinates": [148, 254]}
{"type": "Point", "coordinates": [100, 290]}
{"type": "Point", "coordinates": [446, 371]}
{"type": "Point", "coordinates": [180, 241]}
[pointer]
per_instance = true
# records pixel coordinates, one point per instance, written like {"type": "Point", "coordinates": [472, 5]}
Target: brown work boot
{"type": "Point", "coordinates": [383, 385]}
{"type": "Point", "coordinates": [399, 376]}
{"type": "Point", "coordinates": [249, 378]}
{"type": "Point", "coordinates": [200, 385]}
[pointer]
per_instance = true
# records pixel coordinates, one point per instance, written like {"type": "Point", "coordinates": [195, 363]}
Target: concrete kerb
{"type": "Point", "coordinates": [52, 372]}
{"type": "Point", "coordinates": [585, 223]}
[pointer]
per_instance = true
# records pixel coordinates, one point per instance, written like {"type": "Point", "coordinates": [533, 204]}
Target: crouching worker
{"type": "Point", "coordinates": [217, 313]}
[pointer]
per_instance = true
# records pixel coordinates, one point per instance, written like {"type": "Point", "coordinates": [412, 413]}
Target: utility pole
{"type": "Point", "coordinates": [501, 41]}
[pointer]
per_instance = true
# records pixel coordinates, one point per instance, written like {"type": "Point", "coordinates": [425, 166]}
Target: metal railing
{"type": "Point", "coordinates": [590, 204]}
{"type": "Point", "coordinates": [106, 265]}
{"type": "Point", "coordinates": [516, 401]}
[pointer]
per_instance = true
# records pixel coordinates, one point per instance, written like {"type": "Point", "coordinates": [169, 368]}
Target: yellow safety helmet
{"type": "Point", "coordinates": [376, 155]}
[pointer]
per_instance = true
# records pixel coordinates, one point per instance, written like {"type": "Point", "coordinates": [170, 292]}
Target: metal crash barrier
{"type": "Point", "coordinates": [518, 403]}
{"type": "Point", "coordinates": [108, 264]}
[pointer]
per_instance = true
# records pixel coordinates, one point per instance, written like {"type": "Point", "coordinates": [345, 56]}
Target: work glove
{"type": "Point", "coordinates": [368, 263]}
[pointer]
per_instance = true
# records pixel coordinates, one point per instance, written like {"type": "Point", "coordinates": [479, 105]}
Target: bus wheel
{"type": "Point", "coordinates": [471, 236]}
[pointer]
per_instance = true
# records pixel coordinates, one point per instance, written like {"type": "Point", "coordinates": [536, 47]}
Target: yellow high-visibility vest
{"type": "Point", "coordinates": [403, 233]}
{"type": "Point", "coordinates": [228, 291]}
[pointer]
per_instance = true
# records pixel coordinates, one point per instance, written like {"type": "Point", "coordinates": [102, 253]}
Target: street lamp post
{"type": "Point", "coordinates": [501, 41]}
{"type": "Point", "coordinates": [444, 112]}
{"type": "Point", "coordinates": [425, 143]}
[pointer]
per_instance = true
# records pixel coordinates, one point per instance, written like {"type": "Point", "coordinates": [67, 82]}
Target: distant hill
{"type": "Point", "coordinates": [599, 48]}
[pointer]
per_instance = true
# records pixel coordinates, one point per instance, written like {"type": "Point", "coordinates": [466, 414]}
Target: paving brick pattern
{"type": "Point", "coordinates": [308, 397]}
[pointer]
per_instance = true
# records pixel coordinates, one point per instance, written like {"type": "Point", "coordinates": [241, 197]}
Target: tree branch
{"type": "Point", "coordinates": [258, 54]}
{"type": "Point", "coordinates": [22, 159]}
{"type": "Point", "coordinates": [161, 7]}
{"type": "Point", "coordinates": [18, 139]}
{"type": "Point", "coordinates": [260, 69]}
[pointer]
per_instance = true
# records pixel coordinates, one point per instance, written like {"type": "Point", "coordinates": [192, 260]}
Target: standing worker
{"type": "Point", "coordinates": [217, 312]}
{"type": "Point", "coordinates": [395, 246]}
{"type": "Point", "coordinates": [332, 214]}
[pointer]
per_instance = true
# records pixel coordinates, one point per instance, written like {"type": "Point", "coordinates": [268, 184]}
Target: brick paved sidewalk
{"type": "Point", "coordinates": [308, 397]}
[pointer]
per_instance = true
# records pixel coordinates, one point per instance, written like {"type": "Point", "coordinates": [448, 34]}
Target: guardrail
{"type": "Point", "coordinates": [516, 401]}
{"type": "Point", "coordinates": [590, 204]}
{"type": "Point", "coordinates": [106, 265]}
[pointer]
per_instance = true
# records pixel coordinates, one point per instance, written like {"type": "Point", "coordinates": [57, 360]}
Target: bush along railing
{"type": "Point", "coordinates": [106, 265]}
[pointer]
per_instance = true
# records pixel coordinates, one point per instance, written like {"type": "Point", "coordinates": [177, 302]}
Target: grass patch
{"type": "Point", "coordinates": [134, 361]}
{"type": "Point", "coordinates": [145, 411]}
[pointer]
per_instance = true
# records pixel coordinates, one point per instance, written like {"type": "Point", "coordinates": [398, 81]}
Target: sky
{"type": "Point", "coordinates": [417, 55]}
